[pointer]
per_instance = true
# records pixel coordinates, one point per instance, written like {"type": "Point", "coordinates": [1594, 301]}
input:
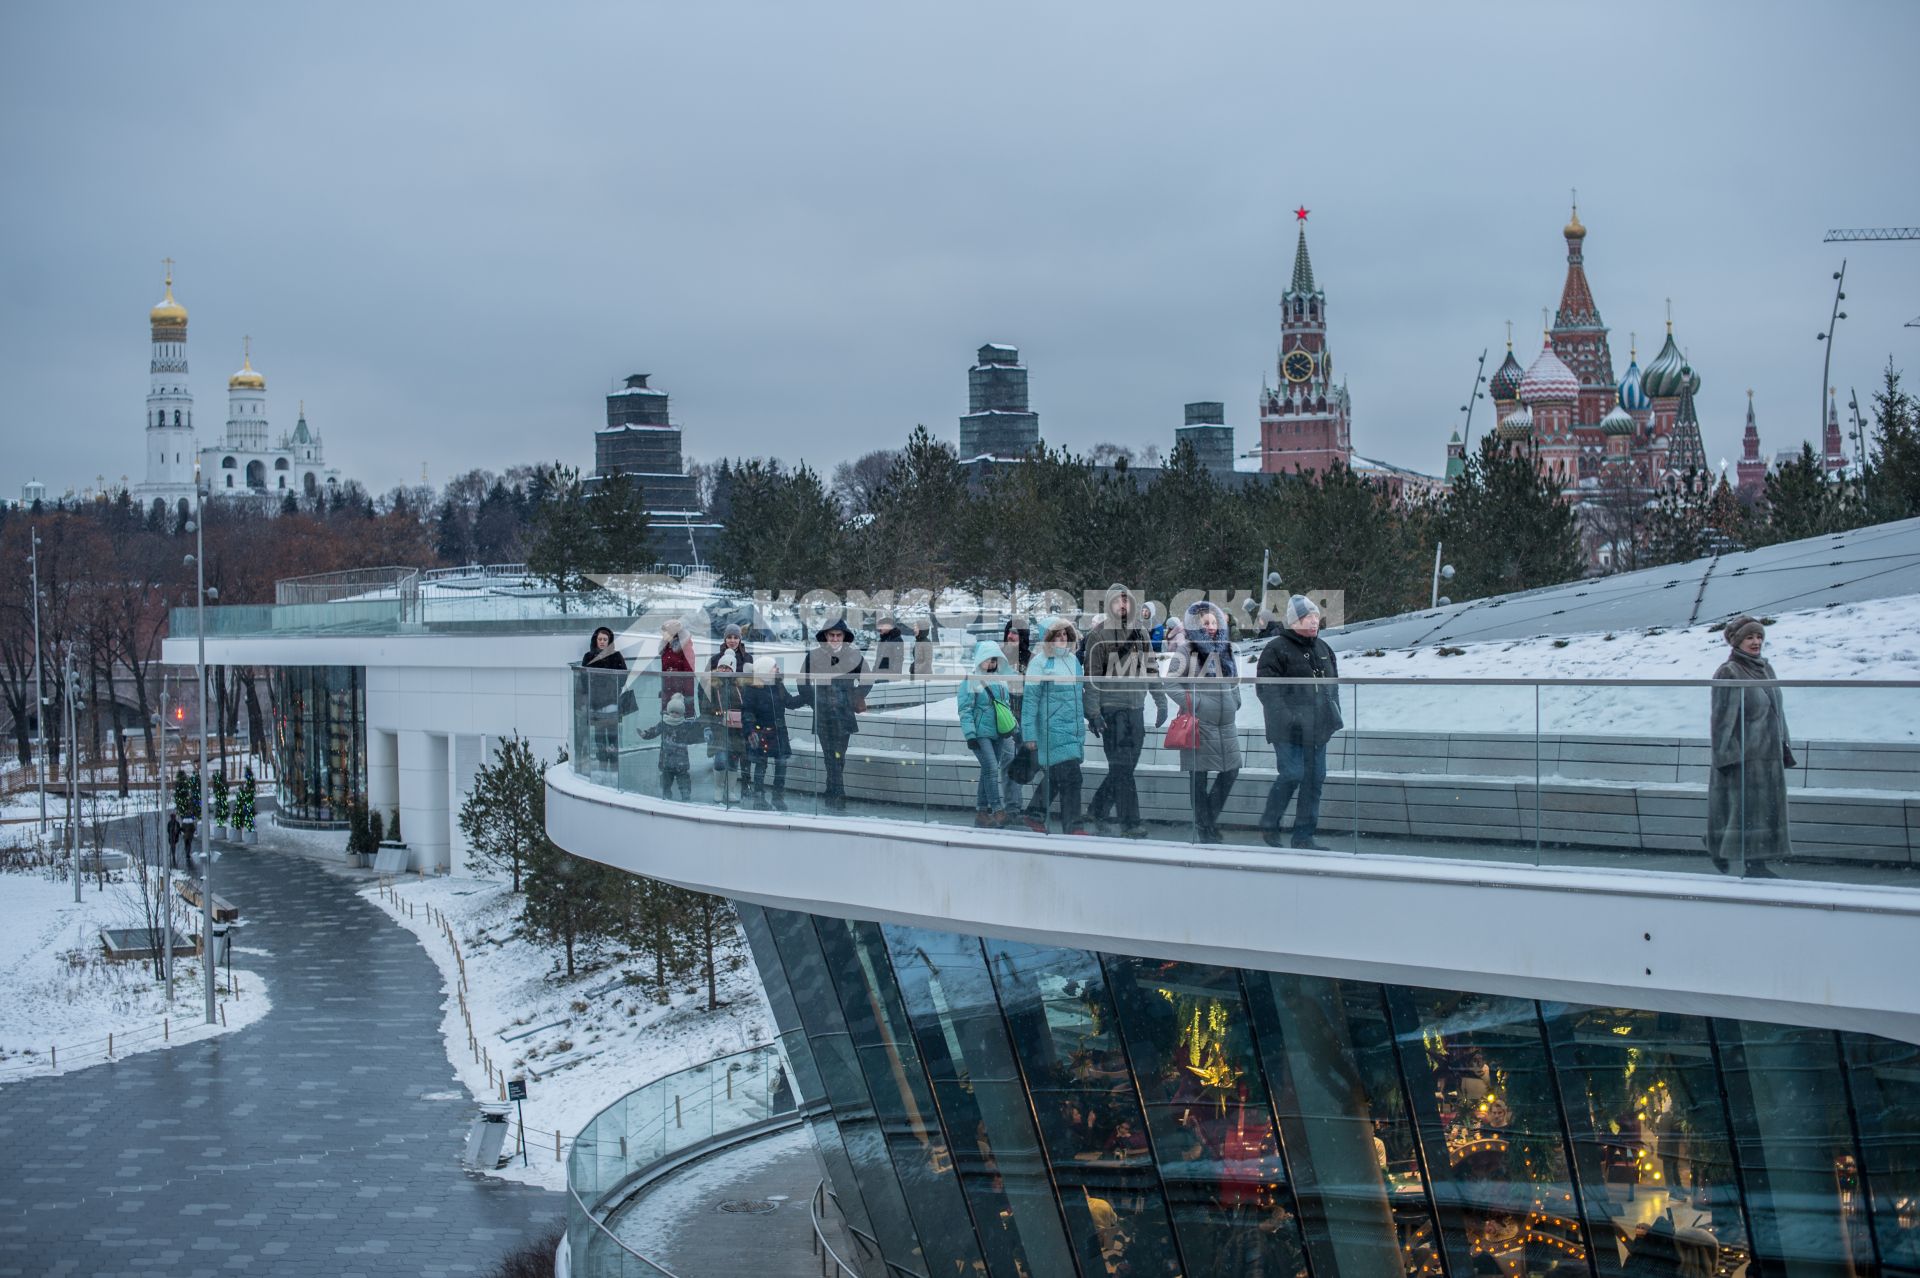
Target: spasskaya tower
{"type": "Point", "coordinates": [1304, 418]}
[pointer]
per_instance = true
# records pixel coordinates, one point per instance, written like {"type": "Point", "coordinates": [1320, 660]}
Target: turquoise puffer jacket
{"type": "Point", "coordinates": [1051, 713]}
{"type": "Point", "coordinates": [978, 692]}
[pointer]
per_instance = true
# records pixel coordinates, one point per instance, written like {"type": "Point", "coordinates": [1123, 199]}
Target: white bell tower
{"type": "Point", "coordinates": [170, 451]}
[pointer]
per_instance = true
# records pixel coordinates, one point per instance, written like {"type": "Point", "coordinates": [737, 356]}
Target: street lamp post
{"type": "Point", "coordinates": [1826, 371]}
{"type": "Point", "coordinates": [206, 848]}
{"type": "Point", "coordinates": [39, 685]}
{"type": "Point", "coordinates": [1441, 572]}
{"type": "Point", "coordinates": [73, 776]}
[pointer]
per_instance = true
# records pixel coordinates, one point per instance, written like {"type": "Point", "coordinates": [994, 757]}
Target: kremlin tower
{"type": "Point", "coordinates": [1752, 469]}
{"type": "Point", "coordinates": [1305, 420]}
{"type": "Point", "coordinates": [1833, 453]}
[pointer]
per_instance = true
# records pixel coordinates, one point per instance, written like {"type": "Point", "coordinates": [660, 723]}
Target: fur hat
{"type": "Point", "coordinates": [1299, 608]}
{"type": "Point", "coordinates": [1743, 626]}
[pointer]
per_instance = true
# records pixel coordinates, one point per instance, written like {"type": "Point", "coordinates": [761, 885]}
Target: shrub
{"type": "Point", "coordinates": [531, 1259]}
{"type": "Point", "coordinates": [376, 829]}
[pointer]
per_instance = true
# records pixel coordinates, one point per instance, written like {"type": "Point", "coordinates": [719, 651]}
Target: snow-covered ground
{"type": "Point", "coordinates": [593, 1039]}
{"type": "Point", "coordinates": [25, 806]}
{"type": "Point", "coordinates": [63, 993]}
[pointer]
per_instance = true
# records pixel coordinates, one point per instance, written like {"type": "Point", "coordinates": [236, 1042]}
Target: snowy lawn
{"type": "Point", "coordinates": [62, 992]}
{"type": "Point", "coordinates": [580, 1044]}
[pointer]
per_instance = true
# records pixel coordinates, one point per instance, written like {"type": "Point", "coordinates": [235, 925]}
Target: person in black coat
{"type": "Point", "coordinates": [832, 681]}
{"type": "Point", "coordinates": [1300, 720]}
{"type": "Point", "coordinates": [605, 694]}
{"type": "Point", "coordinates": [173, 837]}
{"type": "Point", "coordinates": [889, 649]}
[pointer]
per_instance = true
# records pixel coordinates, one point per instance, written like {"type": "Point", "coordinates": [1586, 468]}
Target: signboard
{"type": "Point", "coordinates": [516, 1089]}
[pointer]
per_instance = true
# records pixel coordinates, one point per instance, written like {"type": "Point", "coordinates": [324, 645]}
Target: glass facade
{"type": "Point", "coordinates": [319, 742]}
{"type": "Point", "coordinates": [1019, 1110]}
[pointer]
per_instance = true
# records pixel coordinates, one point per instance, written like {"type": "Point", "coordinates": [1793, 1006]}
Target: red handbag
{"type": "Point", "coordinates": [1184, 732]}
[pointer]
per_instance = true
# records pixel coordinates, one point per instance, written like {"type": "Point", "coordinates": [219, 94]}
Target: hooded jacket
{"type": "Point", "coordinates": [1119, 661]}
{"type": "Point", "coordinates": [978, 693]}
{"type": "Point", "coordinates": [1212, 691]}
{"type": "Point", "coordinates": [764, 700]}
{"type": "Point", "coordinates": [834, 684]}
{"type": "Point", "coordinates": [1051, 713]}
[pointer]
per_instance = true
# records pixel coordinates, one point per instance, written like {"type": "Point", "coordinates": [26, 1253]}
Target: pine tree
{"type": "Point", "coordinates": [452, 540]}
{"type": "Point", "coordinates": [1506, 527]}
{"type": "Point", "coordinates": [504, 817]}
{"type": "Point", "coordinates": [564, 538]}
{"type": "Point", "coordinates": [620, 536]}
{"type": "Point", "coordinates": [567, 900]}
{"type": "Point", "coordinates": [1803, 501]}
{"type": "Point", "coordinates": [785, 533]}
{"type": "Point", "coordinates": [1892, 479]}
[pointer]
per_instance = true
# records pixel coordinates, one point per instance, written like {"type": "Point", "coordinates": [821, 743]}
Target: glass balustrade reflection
{"type": "Point", "coordinates": [1758, 780]}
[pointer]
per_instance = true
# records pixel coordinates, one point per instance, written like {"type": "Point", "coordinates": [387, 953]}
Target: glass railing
{"type": "Point", "coordinates": [1692, 776]}
{"type": "Point", "coordinates": [643, 1127]}
{"type": "Point", "coordinates": [524, 612]}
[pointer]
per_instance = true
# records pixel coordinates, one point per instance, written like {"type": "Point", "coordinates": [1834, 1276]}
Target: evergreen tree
{"type": "Point", "coordinates": [504, 817]}
{"type": "Point", "coordinates": [565, 541]}
{"type": "Point", "coordinates": [452, 540]}
{"type": "Point", "coordinates": [1892, 480]}
{"type": "Point", "coordinates": [1198, 536]}
{"type": "Point", "coordinates": [619, 534]}
{"type": "Point", "coordinates": [922, 497]}
{"type": "Point", "coordinates": [568, 899]}
{"type": "Point", "coordinates": [1803, 501]}
{"type": "Point", "coordinates": [785, 533]}
{"type": "Point", "coordinates": [289, 504]}
{"type": "Point", "coordinates": [1679, 525]}
{"type": "Point", "coordinates": [1506, 527]}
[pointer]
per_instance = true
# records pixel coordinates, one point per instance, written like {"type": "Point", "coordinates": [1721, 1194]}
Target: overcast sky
{"type": "Point", "coordinates": [451, 228]}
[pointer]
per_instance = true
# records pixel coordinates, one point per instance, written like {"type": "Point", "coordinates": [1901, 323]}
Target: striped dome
{"type": "Point", "coordinates": [1548, 378]}
{"type": "Point", "coordinates": [1517, 425]}
{"type": "Point", "coordinates": [1617, 422]}
{"type": "Point", "coordinates": [1506, 383]}
{"type": "Point", "coordinates": [1632, 398]}
{"type": "Point", "coordinates": [1668, 372]}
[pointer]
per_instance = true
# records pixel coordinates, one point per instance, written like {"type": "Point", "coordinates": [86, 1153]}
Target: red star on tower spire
{"type": "Point", "coordinates": [1301, 212]}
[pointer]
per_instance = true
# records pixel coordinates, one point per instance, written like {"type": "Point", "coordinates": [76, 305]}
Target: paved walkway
{"type": "Point", "coordinates": [324, 1140]}
{"type": "Point", "coordinates": [741, 1211]}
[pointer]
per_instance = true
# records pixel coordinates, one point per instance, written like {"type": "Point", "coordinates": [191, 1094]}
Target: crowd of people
{"type": "Point", "coordinates": [1027, 710]}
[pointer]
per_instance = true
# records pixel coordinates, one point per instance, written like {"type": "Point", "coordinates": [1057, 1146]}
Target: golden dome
{"type": "Point", "coordinates": [247, 378]}
{"type": "Point", "coordinates": [169, 314]}
{"type": "Point", "coordinates": [1575, 231]}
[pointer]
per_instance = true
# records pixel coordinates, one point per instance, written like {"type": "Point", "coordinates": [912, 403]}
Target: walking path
{"type": "Point", "coordinates": [325, 1140]}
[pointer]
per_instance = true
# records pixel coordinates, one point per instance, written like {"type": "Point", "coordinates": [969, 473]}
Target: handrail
{"type": "Point", "coordinates": [587, 1212]}
{"type": "Point", "coordinates": [822, 1247]}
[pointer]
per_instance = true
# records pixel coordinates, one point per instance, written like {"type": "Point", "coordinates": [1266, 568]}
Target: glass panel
{"type": "Point", "coordinates": [320, 742]}
{"type": "Point", "coordinates": [853, 1108]}
{"type": "Point", "coordinates": [1349, 1139]}
{"type": "Point", "coordinates": [963, 1041]}
{"type": "Point", "coordinates": [1208, 1112]}
{"type": "Point", "coordinates": [1798, 1165]}
{"type": "Point", "coordinates": [1884, 1077]}
{"type": "Point", "coordinates": [1643, 1105]}
{"type": "Point", "coordinates": [1490, 1124]}
{"type": "Point", "coordinates": [1082, 1092]}
{"type": "Point", "coordinates": [885, 1049]}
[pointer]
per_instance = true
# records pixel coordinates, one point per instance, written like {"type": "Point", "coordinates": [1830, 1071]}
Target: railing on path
{"type": "Point", "coordinates": [670, 1118]}
{"type": "Point", "coordinates": [1688, 775]}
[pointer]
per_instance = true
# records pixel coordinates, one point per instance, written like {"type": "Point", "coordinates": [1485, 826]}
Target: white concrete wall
{"type": "Point", "coordinates": [438, 706]}
{"type": "Point", "coordinates": [1829, 955]}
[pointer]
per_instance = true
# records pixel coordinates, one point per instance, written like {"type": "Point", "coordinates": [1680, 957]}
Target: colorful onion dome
{"type": "Point", "coordinates": [1516, 425]}
{"type": "Point", "coordinates": [1506, 383]}
{"type": "Point", "coordinates": [1631, 396]}
{"type": "Point", "coordinates": [1667, 373]}
{"type": "Point", "coordinates": [1549, 379]}
{"type": "Point", "coordinates": [1616, 422]}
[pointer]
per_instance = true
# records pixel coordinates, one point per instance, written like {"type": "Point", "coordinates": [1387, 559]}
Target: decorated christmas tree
{"type": "Point", "coordinates": [222, 809]}
{"type": "Point", "coordinates": [186, 795]}
{"type": "Point", "coordinates": [243, 800]}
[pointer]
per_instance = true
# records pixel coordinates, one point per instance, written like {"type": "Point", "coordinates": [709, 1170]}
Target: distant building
{"type": "Point", "coordinates": [642, 441]}
{"type": "Point", "coordinates": [246, 461]}
{"type": "Point", "coordinates": [999, 424]}
{"type": "Point", "coordinates": [1211, 438]}
{"type": "Point", "coordinates": [1306, 419]}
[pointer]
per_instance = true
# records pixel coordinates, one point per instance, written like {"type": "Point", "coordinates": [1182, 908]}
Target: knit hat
{"type": "Point", "coordinates": [732, 631]}
{"type": "Point", "coordinates": [676, 710]}
{"type": "Point", "coordinates": [1299, 608]}
{"type": "Point", "coordinates": [725, 662]}
{"type": "Point", "coordinates": [765, 668]}
{"type": "Point", "coordinates": [1743, 626]}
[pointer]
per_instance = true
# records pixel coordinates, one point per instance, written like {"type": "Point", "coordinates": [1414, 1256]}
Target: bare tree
{"type": "Point", "coordinates": [857, 484]}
